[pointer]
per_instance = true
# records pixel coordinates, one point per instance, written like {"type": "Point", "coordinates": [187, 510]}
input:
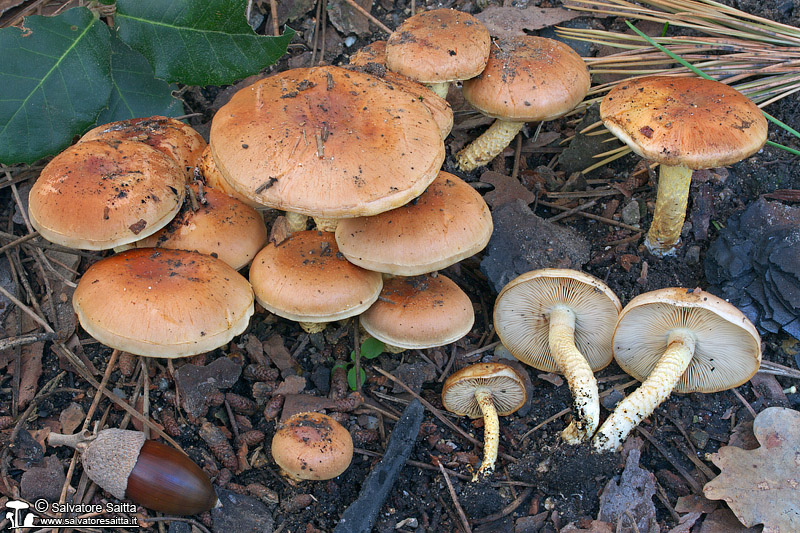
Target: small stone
{"type": "Point", "coordinates": [693, 255]}
{"type": "Point", "coordinates": [630, 213]}
{"type": "Point", "coordinates": [699, 437]}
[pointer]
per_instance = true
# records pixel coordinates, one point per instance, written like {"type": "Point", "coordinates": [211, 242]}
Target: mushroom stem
{"type": "Point", "coordinates": [326, 224]}
{"type": "Point", "coordinates": [491, 432]}
{"type": "Point", "coordinates": [440, 88]}
{"type": "Point", "coordinates": [486, 147]}
{"type": "Point", "coordinates": [313, 327]}
{"type": "Point", "coordinates": [671, 200]}
{"type": "Point", "coordinates": [576, 369]}
{"type": "Point", "coordinates": [656, 388]}
{"type": "Point", "coordinates": [296, 221]}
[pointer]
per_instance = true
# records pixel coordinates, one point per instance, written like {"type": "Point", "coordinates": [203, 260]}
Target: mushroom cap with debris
{"type": "Point", "coordinates": [326, 142]}
{"type": "Point", "coordinates": [694, 122]}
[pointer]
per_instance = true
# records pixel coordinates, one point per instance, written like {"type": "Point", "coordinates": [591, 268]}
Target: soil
{"type": "Point", "coordinates": [552, 484]}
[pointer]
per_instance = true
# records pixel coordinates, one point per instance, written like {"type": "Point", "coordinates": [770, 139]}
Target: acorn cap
{"type": "Point", "coordinates": [96, 195]}
{"type": "Point", "coordinates": [694, 122]}
{"type": "Point", "coordinates": [438, 46]}
{"type": "Point", "coordinates": [163, 303]}
{"type": "Point", "coordinates": [312, 446]}
{"type": "Point", "coordinates": [109, 459]}
{"type": "Point", "coordinates": [419, 312]}
{"type": "Point", "coordinates": [306, 279]}
{"type": "Point", "coordinates": [449, 222]}
{"type": "Point", "coordinates": [222, 226]}
{"type": "Point", "coordinates": [523, 306]}
{"type": "Point", "coordinates": [727, 346]}
{"type": "Point", "coordinates": [529, 79]}
{"type": "Point", "coordinates": [168, 135]}
{"type": "Point", "coordinates": [506, 385]}
{"type": "Point", "coordinates": [326, 142]}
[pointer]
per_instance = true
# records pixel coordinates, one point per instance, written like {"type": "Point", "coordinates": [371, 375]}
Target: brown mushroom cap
{"type": "Point", "coordinates": [163, 303]}
{"type": "Point", "coordinates": [222, 226]}
{"type": "Point", "coordinates": [447, 223]}
{"type": "Point", "coordinates": [437, 46]}
{"type": "Point", "coordinates": [694, 122]}
{"type": "Point", "coordinates": [727, 346]}
{"type": "Point", "coordinates": [312, 446]}
{"type": "Point", "coordinates": [326, 142]}
{"type": "Point", "coordinates": [529, 79]}
{"type": "Point", "coordinates": [306, 279]}
{"type": "Point", "coordinates": [168, 135]}
{"type": "Point", "coordinates": [523, 306]}
{"type": "Point", "coordinates": [374, 52]}
{"type": "Point", "coordinates": [214, 179]}
{"type": "Point", "coordinates": [507, 386]}
{"type": "Point", "coordinates": [100, 194]}
{"type": "Point", "coordinates": [419, 312]}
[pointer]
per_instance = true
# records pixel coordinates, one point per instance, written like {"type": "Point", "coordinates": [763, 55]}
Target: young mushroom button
{"type": "Point", "coordinates": [312, 446]}
{"type": "Point", "coordinates": [681, 340]}
{"type": "Point", "coordinates": [559, 320]}
{"type": "Point", "coordinates": [485, 390]}
{"type": "Point", "coordinates": [683, 124]}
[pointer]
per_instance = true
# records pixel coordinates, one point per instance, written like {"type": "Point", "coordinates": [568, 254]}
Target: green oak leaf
{"type": "Point", "coordinates": [136, 91]}
{"type": "Point", "coordinates": [197, 42]}
{"type": "Point", "coordinates": [351, 378]}
{"type": "Point", "coordinates": [372, 348]}
{"type": "Point", "coordinates": [56, 80]}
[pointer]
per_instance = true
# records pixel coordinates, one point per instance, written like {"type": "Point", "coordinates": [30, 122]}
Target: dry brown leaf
{"type": "Point", "coordinates": [762, 486]}
{"type": "Point", "coordinates": [71, 418]}
{"type": "Point", "coordinates": [630, 498]}
{"type": "Point", "coordinates": [506, 190]}
{"type": "Point", "coordinates": [30, 373]}
{"type": "Point", "coordinates": [513, 21]}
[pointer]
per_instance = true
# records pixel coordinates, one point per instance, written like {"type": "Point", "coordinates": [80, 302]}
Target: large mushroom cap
{"type": "Point", "coordinates": [163, 303]}
{"type": "Point", "coordinates": [221, 226]}
{"type": "Point", "coordinates": [529, 79]}
{"type": "Point", "coordinates": [419, 312]}
{"type": "Point", "coordinates": [214, 179]}
{"type": "Point", "coordinates": [312, 446]}
{"type": "Point", "coordinates": [522, 310]}
{"type": "Point", "coordinates": [306, 279]}
{"type": "Point", "coordinates": [168, 135]}
{"type": "Point", "coordinates": [100, 194]}
{"type": "Point", "coordinates": [727, 346]}
{"type": "Point", "coordinates": [506, 385]}
{"type": "Point", "coordinates": [694, 122]}
{"type": "Point", "coordinates": [437, 46]}
{"type": "Point", "coordinates": [326, 142]}
{"type": "Point", "coordinates": [447, 223]}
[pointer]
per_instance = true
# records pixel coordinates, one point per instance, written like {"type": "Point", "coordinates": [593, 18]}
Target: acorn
{"type": "Point", "coordinates": [129, 466]}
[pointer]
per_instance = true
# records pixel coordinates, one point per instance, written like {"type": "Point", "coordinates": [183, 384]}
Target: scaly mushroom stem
{"type": "Point", "coordinates": [313, 327]}
{"type": "Point", "coordinates": [656, 388]}
{"type": "Point", "coordinates": [295, 221]}
{"type": "Point", "coordinates": [326, 224]}
{"type": "Point", "coordinates": [439, 88]}
{"type": "Point", "coordinates": [486, 147]}
{"type": "Point", "coordinates": [580, 378]}
{"type": "Point", "coordinates": [671, 200]}
{"type": "Point", "coordinates": [491, 432]}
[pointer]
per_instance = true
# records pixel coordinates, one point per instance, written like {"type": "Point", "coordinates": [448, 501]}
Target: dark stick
{"type": "Point", "coordinates": [362, 513]}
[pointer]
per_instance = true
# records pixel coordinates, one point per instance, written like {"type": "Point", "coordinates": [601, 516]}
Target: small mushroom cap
{"type": "Point", "coordinates": [306, 279]}
{"type": "Point", "coordinates": [438, 46]}
{"type": "Point", "coordinates": [374, 52]}
{"type": "Point", "coordinates": [326, 142]}
{"type": "Point", "coordinates": [419, 312]}
{"type": "Point", "coordinates": [522, 310]}
{"type": "Point", "coordinates": [312, 446]}
{"type": "Point", "coordinates": [222, 226]}
{"type": "Point", "coordinates": [97, 195]}
{"type": "Point", "coordinates": [684, 121]}
{"type": "Point", "coordinates": [727, 346]}
{"type": "Point", "coordinates": [163, 303]}
{"type": "Point", "coordinates": [450, 221]}
{"type": "Point", "coordinates": [168, 135]}
{"type": "Point", "coordinates": [507, 386]}
{"type": "Point", "coordinates": [529, 79]}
